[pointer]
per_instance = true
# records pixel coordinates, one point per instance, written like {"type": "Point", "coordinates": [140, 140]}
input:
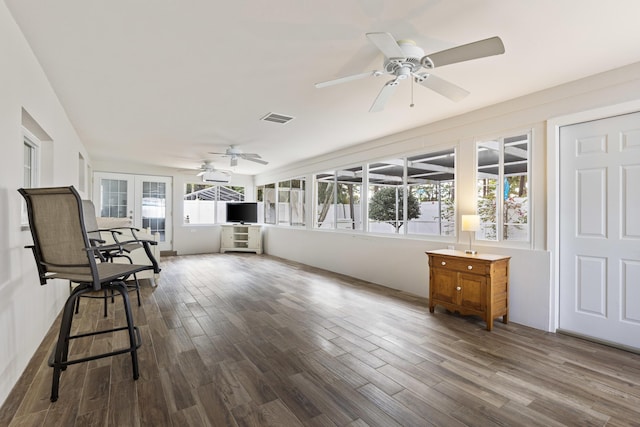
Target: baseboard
{"type": "Point", "coordinates": [599, 341]}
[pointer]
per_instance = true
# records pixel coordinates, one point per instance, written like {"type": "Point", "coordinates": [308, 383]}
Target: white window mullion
{"type": "Point", "coordinates": [500, 194]}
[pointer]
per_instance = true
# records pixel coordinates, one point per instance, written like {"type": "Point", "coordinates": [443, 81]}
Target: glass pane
{"type": "Point", "coordinates": [430, 179]}
{"type": "Point", "coordinates": [349, 189]}
{"type": "Point", "coordinates": [325, 196]}
{"type": "Point", "coordinates": [297, 202]}
{"type": "Point", "coordinates": [386, 194]}
{"type": "Point", "coordinates": [28, 166]}
{"type": "Point", "coordinates": [488, 154]}
{"type": "Point", "coordinates": [515, 210]}
{"type": "Point", "coordinates": [284, 208]}
{"type": "Point", "coordinates": [154, 207]}
{"type": "Point", "coordinates": [114, 198]}
{"type": "Point", "coordinates": [260, 200]}
{"type": "Point", "coordinates": [270, 204]}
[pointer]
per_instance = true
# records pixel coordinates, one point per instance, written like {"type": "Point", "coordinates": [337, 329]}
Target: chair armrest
{"type": "Point", "coordinates": [146, 244]}
{"type": "Point", "coordinates": [42, 270]}
{"type": "Point", "coordinates": [131, 229]}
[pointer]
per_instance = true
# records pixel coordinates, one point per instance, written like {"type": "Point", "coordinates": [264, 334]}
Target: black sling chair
{"type": "Point", "coordinates": [62, 250]}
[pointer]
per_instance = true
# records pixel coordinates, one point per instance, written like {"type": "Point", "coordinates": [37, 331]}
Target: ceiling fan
{"type": "Point", "coordinates": [403, 59]}
{"type": "Point", "coordinates": [235, 153]}
{"type": "Point", "coordinates": [207, 167]}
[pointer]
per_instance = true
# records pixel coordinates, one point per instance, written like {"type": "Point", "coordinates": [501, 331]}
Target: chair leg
{"type": "Point", "coordinates": [135, 277]}
{"type": "Point", "coordinates": [61, 351]}
{"type": "Point", "coordinates": [121, 287]}
{"type": "Point", "coordinates": [106, 296]}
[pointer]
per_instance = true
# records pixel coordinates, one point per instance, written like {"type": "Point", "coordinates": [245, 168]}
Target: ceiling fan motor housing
{"type": "Point", "coordinates": [410, 63]}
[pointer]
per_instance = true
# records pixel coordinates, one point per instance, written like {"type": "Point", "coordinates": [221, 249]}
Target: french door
{"type": "Point", "coordinates": [600, 229]}
{"type": "Point", "coordinates": [144, 200]}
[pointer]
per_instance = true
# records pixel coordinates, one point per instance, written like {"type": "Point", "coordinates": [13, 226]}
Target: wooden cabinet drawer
{"type": "Point", "coordinates": [461, 265]}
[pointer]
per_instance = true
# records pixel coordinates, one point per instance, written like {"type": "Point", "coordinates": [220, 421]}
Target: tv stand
{"type": "Point", "coordinates": [241, 238]}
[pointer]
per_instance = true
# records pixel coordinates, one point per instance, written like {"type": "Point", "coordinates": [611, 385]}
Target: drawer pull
{"type": "Point", "coordinates": [444, 263]}
{"type": "Point", "coordinates": [470, 267]}
{"type": "Point", "coordinates": [459, 288]}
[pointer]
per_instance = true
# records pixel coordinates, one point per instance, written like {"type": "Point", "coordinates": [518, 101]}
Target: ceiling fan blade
{"type": "Point", "coordinates": [347, 79]}
{"type": "Point", "coordinates": [252, 155]}
{"type": "Point", "coordinates": [201, 173]}
{"type": "Point", "coordinates": [234, 161]}
{"type": "Point", "coordinates": [386, 44]}
{"type": "Point", "coordinates": [480, 49]}
{"type": "Point", "coordinates": [385, 93]}
{"type": "Point", "coordinates": [441, 86]}
{"type": "Point", "coordinates": [257, 160]}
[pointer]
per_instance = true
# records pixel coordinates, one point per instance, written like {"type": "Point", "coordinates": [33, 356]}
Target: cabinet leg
{"type": "Point", "coordinates": [505, 319]}
{"type": "Point", "coordinates": [431, 308]}
{"type": "Point", "coordinates": [489, 324]}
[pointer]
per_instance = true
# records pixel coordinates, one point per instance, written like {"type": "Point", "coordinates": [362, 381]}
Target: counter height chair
{"type": "Point", "coordinates": [121, 248]}
{"type": "Point", "coordinates": [62, 250]}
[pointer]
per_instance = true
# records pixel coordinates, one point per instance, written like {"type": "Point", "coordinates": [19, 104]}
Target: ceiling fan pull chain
{"type": "Point", "coordinates": [412, 104]}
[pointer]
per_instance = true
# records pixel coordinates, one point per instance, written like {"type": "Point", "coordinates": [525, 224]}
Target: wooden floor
{"type": "Point", "coordinates": [249, 340]}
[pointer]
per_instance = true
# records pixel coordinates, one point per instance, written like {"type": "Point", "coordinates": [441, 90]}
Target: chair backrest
{"type": "Point", "coordinates": [90, 220]}
{"type": "Point", "coordinates": [59, 236]}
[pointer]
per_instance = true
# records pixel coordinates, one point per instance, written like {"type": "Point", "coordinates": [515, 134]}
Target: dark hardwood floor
{"type": "Point", "coordinates": [249, 340]}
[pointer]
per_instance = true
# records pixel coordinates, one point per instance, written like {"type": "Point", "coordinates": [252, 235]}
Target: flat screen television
{"type": "Point", "coordinates": [242, 212]}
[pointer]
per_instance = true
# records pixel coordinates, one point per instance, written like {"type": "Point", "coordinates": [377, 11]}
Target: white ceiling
{"type": "Point", "coordinates": [168, 81]}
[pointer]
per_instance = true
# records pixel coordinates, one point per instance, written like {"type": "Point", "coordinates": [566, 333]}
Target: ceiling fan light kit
{"type": "Point", "coordinates": [403, 59]}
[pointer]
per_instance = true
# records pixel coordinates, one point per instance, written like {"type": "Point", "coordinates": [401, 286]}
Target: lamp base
{"type": "Point", "coordinates": [470, 252]}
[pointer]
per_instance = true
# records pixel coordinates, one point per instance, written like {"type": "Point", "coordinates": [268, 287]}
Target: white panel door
{"type": "Point", "coordinates": [600, 229]}
{"type": "Point", "coordinates": [144, 200]}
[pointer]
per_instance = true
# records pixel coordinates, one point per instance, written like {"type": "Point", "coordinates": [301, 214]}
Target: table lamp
{"type": "Point", "coordinates": [470, 223]}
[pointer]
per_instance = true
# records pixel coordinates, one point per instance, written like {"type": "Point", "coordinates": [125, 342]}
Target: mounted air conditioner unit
{"type": "Point", "coordinates": [216, 176]}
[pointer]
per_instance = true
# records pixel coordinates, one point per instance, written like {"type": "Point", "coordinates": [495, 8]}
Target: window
{"type": "Point", "coordinates": [427, 181]}
{"type": "Point", "coordinates": [386, 197]}
{"type": "Point", "coordinates": [81, 173]}
{"type": "Point", "coordinates": [431, 182]}
{"type": "Point", "coordinates": [338, 199]}
{"type": "Point", "coordinates": [154, 198]}
{"type": "Point", "coordinates": [30, 174]}
{"type": "Point", "coordinates": [206, 203]}
{"type": "Point", "coordinates": [503, 174]}
{"type": "Point", "coordinates": [325, 195]}
{"type": "Point", "coordinates": [284, 207]}
{"type": "Point", "coordinates": [291, 202]}
{"type": "Point", "coordinates": [114, 198]}
{"type": "Point", "coordinates": [269, 202]}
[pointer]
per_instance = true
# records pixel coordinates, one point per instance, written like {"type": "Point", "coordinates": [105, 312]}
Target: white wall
{"type": "Point", "coordinates": [27, 309]}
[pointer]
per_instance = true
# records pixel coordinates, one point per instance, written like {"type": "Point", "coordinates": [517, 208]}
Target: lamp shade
{"type": "Point", "coordinates": [470, 222]}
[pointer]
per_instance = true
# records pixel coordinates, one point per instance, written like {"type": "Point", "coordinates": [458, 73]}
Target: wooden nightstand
{"type": "Point", "coordinates": [470, 284]}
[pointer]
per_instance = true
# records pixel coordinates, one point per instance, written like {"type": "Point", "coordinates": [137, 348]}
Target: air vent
{"type": "Point", "coordinates": [277, 118]}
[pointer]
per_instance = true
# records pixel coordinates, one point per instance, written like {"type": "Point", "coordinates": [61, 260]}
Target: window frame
{"type": "Point", "coordinates": [409, 160]}
{"type": "Point", "coordinates": [282, 206]}
{"type": "Point", "coordinates": [500, 189]}
{"type": "Point", "coordinates": [32, 145]}
{"type": "Point", "coordinates": [358, 221]}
